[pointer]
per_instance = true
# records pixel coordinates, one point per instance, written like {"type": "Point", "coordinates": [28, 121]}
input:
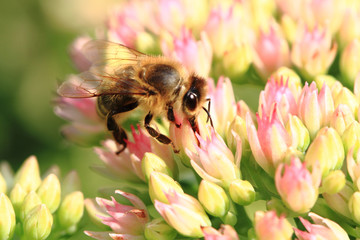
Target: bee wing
{"type": "Point", "coordinates": [111, 72]}
{"type": "Point", "coordinates": [101, 53]}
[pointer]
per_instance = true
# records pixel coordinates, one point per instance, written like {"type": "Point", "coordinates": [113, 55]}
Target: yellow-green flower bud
{"type": "Point", "coordinates": [341, 118]}
{"type": "Point", "coordinates": [351, 137]}
{"type": "Point", "coordinates": [28, 175]}
{"type": "Point", "coordinates": [333, 182]}
{"type": "Point", "coordinates": [38, 223]}
{"type": "Point", "coordinates": [345, 96]}
{"type": "Point", "coordinates": [354, 206]}
{"type": "Point", "coordinates": [151, 162]}
{"type": "Point", "coordinates": [3, 187]}
{"type": "Point", "coordinates": [71, 209]}
{"type": "Point", "coordinates": [30, 201]}
{"type": "Point", "coordinates": [145, 42]}
{"type": "Point", "coordinates": [50, 192]}
{"type": "Point", "coordinates": [300, 137]}
{"type": "Point", "coordinates": [237, 126]}
{"type": "Point", "coordinates": [230, 218]}
{"type": "Point", "coordinates": [158, 229]}
{"type": "Point", "coordinates": [350, 62]}
{"type": "Point", "coordinates": [213, 198]}
{"type": "Point", "coordinates": [237, 61]}
{"type": "Point", "coordinates": [17, 196]}
{"type": "Point", "coordinates": [320, 80]}
{"type": "Point", "coordinates": [159, 184]}
{"type": "Point", "coordinates": [242, 192]}
{"type": "Point", "coordinates": [7, 217]}
{"type": "Point", "coordinates": [289, 26]}
{"type": "Point", "coordinates": [327, 149]}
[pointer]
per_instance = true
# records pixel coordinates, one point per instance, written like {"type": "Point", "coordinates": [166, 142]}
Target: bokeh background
{"type": "Point", "coordinates": [34, 58]}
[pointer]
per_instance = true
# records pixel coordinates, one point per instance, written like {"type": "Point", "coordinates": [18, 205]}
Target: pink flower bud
{"type": "Point", "coordinates": [270, 142]}
{"type": "Point", "coordinates": [315, 109]}
{"type": "Point", "coordinates": [271, 52]}
{"type": "Point", "coordinates": [223, 104]}
{"type": "Point", "coordinates": [298, 187]}
{"type": "Point", "coordinates": [271, 227]}
{"type": "Point", "coordinates": [194, 55]}
{"type": "Point", "coordinates": [280, 93]}
{"type": "Point", "coordinates": [214, 161]}
{"type": "Point", "coordinates": [184, 213]}
{"type": "Point", "coordinates": [313, 51]}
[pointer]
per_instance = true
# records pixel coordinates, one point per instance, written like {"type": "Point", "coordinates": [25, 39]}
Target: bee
{"type": "Point", "coordinates": [123, 79]}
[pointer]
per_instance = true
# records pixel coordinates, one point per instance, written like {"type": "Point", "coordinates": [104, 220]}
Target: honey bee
{"type": "Point", "coordinates": [123, 79]}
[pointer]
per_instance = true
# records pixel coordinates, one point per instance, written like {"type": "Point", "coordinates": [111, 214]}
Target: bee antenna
{"type": "Point", "coordinates": [208, 112]}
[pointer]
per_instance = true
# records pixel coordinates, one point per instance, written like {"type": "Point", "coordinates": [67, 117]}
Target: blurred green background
{"type": "Point", "coordinates": [34, 57]}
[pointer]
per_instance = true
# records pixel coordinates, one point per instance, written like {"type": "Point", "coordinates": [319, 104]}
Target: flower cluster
{"type": "Point", "coordinates": [264, 175]}
{"type": "Point", "coordinates": [34, 207]}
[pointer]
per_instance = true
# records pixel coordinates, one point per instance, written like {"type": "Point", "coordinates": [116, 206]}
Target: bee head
{"type": "Point", "coordinates": [195, 95]}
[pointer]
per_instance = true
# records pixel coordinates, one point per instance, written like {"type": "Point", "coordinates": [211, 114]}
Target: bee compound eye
{"type": "Point", "coordinates": [191, 101]}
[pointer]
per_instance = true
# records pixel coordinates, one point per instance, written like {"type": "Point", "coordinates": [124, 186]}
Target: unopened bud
{"type": "Point", "coordinates": [242, 192]}
{"type": "Point", "coordinates": [30, 201]}
{"type": "Point", "coordinates": [151, 162]}
{"type": "Point", "coordinates": [28, 176]}
{"type": "Point", "coordinates": [237, 61]}
{"type": "Point", "coordinates": [159, 184]}
{"type": "Point", "coordinates": [213, 198]}
{"type": "Point", "coordinates": [145, 42]}
{"type": "Point", "coordinates": [71, 209]}
{"type": "Point", "coordinates": [38, 223]}
{"type": "Point", "coordinates": [351, 137]}
{"type": "Point", "coordinates": [158, 229]}
{"type": "Point", "coordinates": [237, 126]}
{"type": "Point", "coordinates": [333, 182]}
{"type": "Point", "coordinates": [50, 192]}
{"type": "Point", "coordinates": [230, 218]}
{"type": "Point", "coordinates": [298, 132]}
{"type": "Point", "coordinates": [327, 149]}
{"type": "Point", "coordinates": [17, 196]}
{"type": "Point", "coordinates": [345, 96]}
{"type": "Point", "coordinates": [7, 217]}
{"type": "Point", "coordinates": [354, 206]}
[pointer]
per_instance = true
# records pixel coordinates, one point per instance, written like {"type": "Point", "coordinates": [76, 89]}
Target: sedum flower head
{"type": "Point", "coordinates": [32, 204]}
{"type": "Point", "coordinates": [291, 151]}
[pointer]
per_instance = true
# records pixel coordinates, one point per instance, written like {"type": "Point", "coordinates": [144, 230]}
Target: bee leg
{"type": "Point", "coordinates": [119, 133]}
{"type": "Point", "coordinates": [171, 116]}
{"type": "Point", "coordinates": [155, 134]}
